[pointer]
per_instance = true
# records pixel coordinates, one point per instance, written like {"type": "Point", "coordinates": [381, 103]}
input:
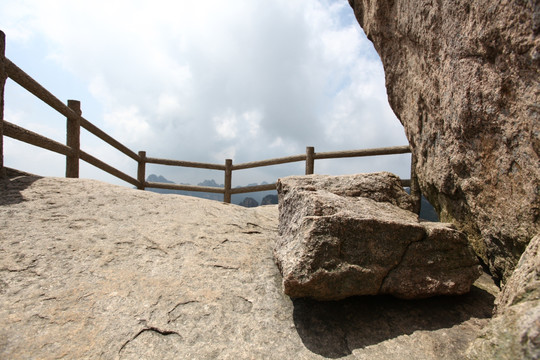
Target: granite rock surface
{"type": "Point", "coordinates": [95, 271]}
{"type": "Point", "coordinates": [463, 77]}
{"type": "Point", "coordinates": [514, 332]}
{"type": "Point", "coordinates": [337, 241]}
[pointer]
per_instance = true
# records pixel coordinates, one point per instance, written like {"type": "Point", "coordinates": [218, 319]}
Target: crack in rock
{"type": "Point", "coordinates": [171, 319]}
{"type": "Point", "coordinates": [149, 329]}
{"type": "Point", "coordinates": [225, 267]}
{"type": "Point", "coordinates": [407, 247]}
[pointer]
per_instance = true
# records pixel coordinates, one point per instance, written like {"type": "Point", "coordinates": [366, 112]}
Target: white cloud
{"type": "Point", "coordinates": [130, 122]}
{"type": "Point", "coordinates": [226, 125]}
{"type": "Point", "coordinates": [201, 81]}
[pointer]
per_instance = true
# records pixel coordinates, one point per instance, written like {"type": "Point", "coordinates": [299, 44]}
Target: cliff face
{"type": "Point", "coordinates": [463, 78]}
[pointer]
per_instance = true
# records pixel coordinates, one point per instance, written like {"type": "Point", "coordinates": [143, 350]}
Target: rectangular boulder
{"type": "Point", "coordinates": [350, 235]}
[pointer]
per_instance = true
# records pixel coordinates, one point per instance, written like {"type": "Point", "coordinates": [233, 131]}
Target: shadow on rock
{"type": "Point", "coordinates": [334, 329]}
{"type": "Point", "coordinates": [13, 184]}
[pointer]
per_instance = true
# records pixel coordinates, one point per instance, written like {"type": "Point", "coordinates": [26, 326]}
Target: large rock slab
{"type": "Point", "coordinates": [336, 241]}
{"type": "Point", "coordinates": [95, 271]}
{"type": "Point", "coordinates": [514, 332]}
{"type": "Point", "coordinates": [463, 78]}
{"type": "Point", "coordinates": [380, 186]}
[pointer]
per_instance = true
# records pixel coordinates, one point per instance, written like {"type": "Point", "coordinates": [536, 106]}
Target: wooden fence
{"type": "Point", "coordinates": [72, 148]}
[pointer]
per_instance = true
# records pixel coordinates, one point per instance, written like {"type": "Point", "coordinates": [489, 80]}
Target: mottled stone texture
{"type": "Point", "coordinates": [380, 186]}
{"type": "Point", "coordinates": [514, 332]}
{"type": "Point", "coordinates": [342, 236]}
{"type": "Point", "coordinates": [96, 271]}
{"type": "Point", "coordinates": [463, 78]}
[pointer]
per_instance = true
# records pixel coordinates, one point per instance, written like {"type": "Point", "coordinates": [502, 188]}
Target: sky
{"type": "Point", "coordinates": [201, 81]}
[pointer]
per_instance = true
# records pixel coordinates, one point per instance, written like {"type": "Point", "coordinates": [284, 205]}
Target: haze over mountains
{"type": "Point", "coordinates": [255, 199]}
{"type": "Point", "coordinates": [247, 200]}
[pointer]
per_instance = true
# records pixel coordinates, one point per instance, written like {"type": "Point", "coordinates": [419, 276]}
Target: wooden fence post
{"type": "Point", "coordinates": [415, 187]}
{"type": "Point", "coordinates": [3, 78]}
{"type": "Point", "coordinates": [228, 181]}
{"type": "Point", "coordinates": [310, 160]}
{"type": "Point", "coordinates": [73, 140]}
{"type": "Point", "coordinates": [141, 170]}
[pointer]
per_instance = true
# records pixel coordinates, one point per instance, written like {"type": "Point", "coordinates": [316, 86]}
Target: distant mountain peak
{"type": "Point", "coordinates": [158, 178]}
{"type": "Point", "coordinates": [249, 202]}
{"type": "Point", "coordinates": [211, 183]}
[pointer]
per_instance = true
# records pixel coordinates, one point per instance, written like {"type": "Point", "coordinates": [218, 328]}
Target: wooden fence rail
{"type": "Point", "coordinates": [27, 136]}
{"type": "Point", "coordinates": [72, 149]}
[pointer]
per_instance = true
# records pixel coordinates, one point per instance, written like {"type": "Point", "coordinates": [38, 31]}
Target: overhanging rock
{"type": "Point", "coordinates": [342, 236]}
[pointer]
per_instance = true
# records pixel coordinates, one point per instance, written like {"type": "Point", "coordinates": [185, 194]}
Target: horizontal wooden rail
{"type": "Point", "coordinates": [108, 168]}
{"type": "Point", "coordinates": [21, 134]}
{"type": "Point", "coordinates": [108, 139]}
{"type": "Point", "coordinates": [209, 189]}
{"type": "Point", "coordinates": [276, 161]}
{"type": "Point", "coordinates": [73, 153]}
{"type": "Point", "coordinates": [326, 155]}
{"type": "Point", "coordinates": [27, 136]}
{"type": "Point", "coordinates": [220, 190]}
{"type": "Point", "coordinates": [248, 189]}
{"type": "Point", "coordinates": [27, 82]}
{"type": "Point", "coordinates": [184, 163]}
{"type": "Point", "coordinates": [394, 150]}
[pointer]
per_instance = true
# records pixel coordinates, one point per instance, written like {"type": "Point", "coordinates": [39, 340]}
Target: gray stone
{"type": "Point", "coordinates": [95, 271]}
{"type": "Point", "coordinates": [462, 76]}
{"type": "Point", "coordinates": [514, 332]}
{"type": "Point", "coordinates": [332, 247]}
{"type": "Point", "coordinates": [380, 186]}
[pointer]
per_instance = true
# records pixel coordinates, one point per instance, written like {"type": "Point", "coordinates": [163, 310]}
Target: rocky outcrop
{"type": "Point", "coordinates": [381, 187]}
{"type": "Point", "coordinates": [463, 78]}
{"type": "Point", "coordinates": [95, 271]}
{"type": "Point", "coordinates": [342, 236]}
{"type": "Point", "coordinates": [514, 332]}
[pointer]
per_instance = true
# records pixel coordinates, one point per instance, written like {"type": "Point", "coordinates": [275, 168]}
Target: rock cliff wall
{"type": "Point", "coordinates": [463, 78]}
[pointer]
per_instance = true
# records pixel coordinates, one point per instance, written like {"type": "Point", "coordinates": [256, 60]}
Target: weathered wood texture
{"type": "Point", "coordinates": [228, 181]}
{"type": "Point", "coordinates": [107, 168]}
{"type": "Point", "coordinates": [310, 160]}
{"type": "Point", "coordinates": [32, 138]}
{"type": "Point", "coordinates": [87, 125]}
{"type": "Point", "coordinates": [269, 162]}
{"type": "Point", "coordinates": [23, 79]}
{"type": "Point", "coordinates": [191, 164]}
{"type": "Point", "coordinates": [248, 189]}
{"type": "Point", "coordinates": [393, 150]}
{"type": "Point", "coordinates": [27, 136]}
{"type": "Point", "coordinates": [217, 190]}
{"type": "Point", "coordinates": [141, 170]}
{"type": "Point", "coordinates": [73, 140]}
{"type": "Point", "coordinates": [27, 82]}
